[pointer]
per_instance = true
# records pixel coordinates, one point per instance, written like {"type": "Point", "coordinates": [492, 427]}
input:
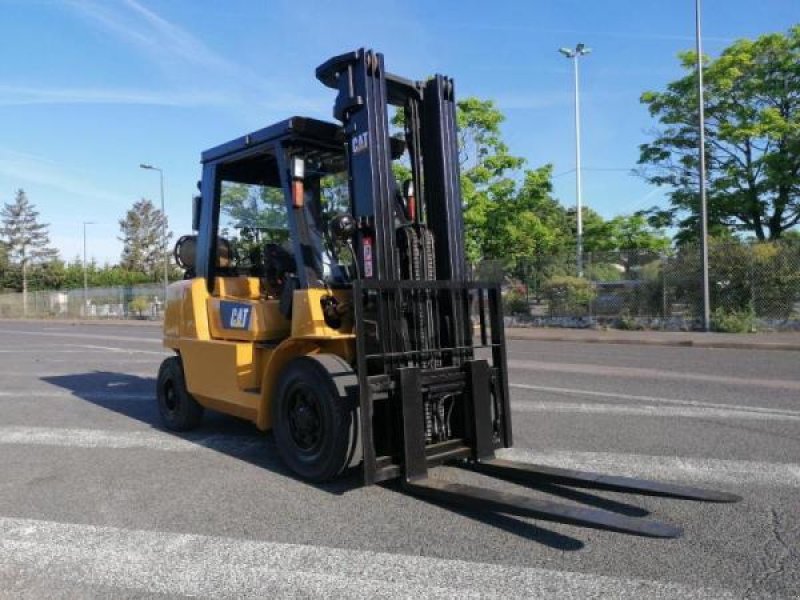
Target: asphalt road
{"type": "Point", "coordinates": [97, 501]}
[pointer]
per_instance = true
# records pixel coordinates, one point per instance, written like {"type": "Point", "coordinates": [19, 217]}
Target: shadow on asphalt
{"type": "Point", "coordinates": [128, 395]}
{"type": "Point", "coordinates": [123, 393]}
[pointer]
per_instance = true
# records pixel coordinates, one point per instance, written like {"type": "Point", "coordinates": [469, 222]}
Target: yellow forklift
{"type": "Point", "coordinates": [331, 304]}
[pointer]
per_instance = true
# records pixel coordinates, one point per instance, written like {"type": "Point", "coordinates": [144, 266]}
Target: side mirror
{"type": "Point", "coordinates": [342, 227]}
{"type": "Point", "coordinates": [196, 203]}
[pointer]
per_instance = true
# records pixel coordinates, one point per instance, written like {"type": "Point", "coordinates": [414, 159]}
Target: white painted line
{"type": "Point", "coordinates": [44, 351]}
{"type": "Point", "coordinates": [109, 438]}
{"type": "Point", "coordinates": [740, 472]}
{"type": "Point", "coordinates": [83, 348]}
{"type": "Point", "coordinates": [656, 467]}
{"type": "Point", "coordinates": [109, 336]}
{"type": "Point", "coordinates": [39, 374]}
{"type": "Point", "coordinates": [651, 399]}
{"type": "Point", "coordinates": [104, 395]}
{"type": "Point", "coordinates": [116, 349]}
{"type": "Point", "coordinates": [648, 411]}
{"type": "Point", "coordinates": [110, 358]}
{"type": "Point", "coordinates": [641, 373]}
{"type": "Point", "coordinates": [196, 565]}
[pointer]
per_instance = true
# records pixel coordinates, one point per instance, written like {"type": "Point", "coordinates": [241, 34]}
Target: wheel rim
{"type": "Point", "coordinates": [304, 416]}
{"type": "Point", "coordinates": [170, 397]}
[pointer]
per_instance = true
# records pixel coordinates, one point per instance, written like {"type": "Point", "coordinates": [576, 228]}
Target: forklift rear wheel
{"type": "Point", "coordinates": [179, 411]}
{"type": "Point", "coordinates": [314, 417]}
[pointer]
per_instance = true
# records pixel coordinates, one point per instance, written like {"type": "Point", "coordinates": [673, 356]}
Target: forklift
{"type": "Point", "coordinates": [331, 304]}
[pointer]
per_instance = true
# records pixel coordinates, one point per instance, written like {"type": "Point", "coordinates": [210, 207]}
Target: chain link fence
{"type": "Point", "coordinates": [752, 287]}
{"type": "Point", "coordinates": [125, 302]}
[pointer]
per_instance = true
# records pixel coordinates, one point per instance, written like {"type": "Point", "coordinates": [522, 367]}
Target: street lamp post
{"type": "Point", "coordinates": [85, 275]}
{"type": "Point", "coordinates": [163, 225]}
{"type": "Point", "coordinates": [702, 167]}
{"type": "Point", "coordinates": [574, 55]}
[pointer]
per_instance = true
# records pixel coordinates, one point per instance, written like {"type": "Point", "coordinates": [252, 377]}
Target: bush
{"type": "Point", "coordinates": [603, 272]}
{"type": "Point", "coordinates": [138, 305]}
{"type": "Point", "coordinates": [515, 303]}
{"type": "Point", "coordinates": [569, 296]}
{"type": "Point", "coordinates": [733, 321]}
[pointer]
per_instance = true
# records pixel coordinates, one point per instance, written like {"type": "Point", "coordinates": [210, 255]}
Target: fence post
{"type": "Point", "coordinates": [751, 279]}
{"type": "Point", "coordinates": [662, 257]}
{"type": "Point", "coordinates": [587, 274]}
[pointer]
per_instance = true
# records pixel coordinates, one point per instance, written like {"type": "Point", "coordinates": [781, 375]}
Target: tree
{"type": "Point", "coordinates": [752, 94]}
{"type": "Point", "coordinates": [486, 165]}
{"type": "Point", "coordinates": [26, 241]}
{"type": "Point", "coordinates": [143, 238]}
{"type": "Point", "coordinates": [527, 222]}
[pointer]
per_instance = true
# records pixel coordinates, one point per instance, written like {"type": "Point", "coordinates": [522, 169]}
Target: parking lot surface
{"type": "Point", "coordinates": [96, 500]}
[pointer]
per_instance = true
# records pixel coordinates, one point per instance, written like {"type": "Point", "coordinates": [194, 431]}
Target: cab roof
{"type": "Point", "coordinates": [300, 129]}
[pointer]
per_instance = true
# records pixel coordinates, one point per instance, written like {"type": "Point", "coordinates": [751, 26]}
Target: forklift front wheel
{"type": "Point", "coordinates": [314, 417]}
{"type": "Point", "coordinates": [179, 411]}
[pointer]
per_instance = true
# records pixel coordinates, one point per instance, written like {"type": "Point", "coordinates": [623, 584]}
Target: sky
{"type": "Point", "coordinates": [91, 89]}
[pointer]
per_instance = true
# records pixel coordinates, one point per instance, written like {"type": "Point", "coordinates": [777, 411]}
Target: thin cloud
{"type": "Point", "coordinates": [24, 168]}
{"type": "Point", "coordinates": [169, 46]}
{"type": "Point", "coordinates": [189, 62]}
{"type": "Point", "coordinates": [23, 95]}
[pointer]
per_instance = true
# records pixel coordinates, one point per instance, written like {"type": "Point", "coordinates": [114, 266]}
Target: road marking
{"type": "Point", "coordinates": [198, 565]}
{"type": "Point", "coordinates": [741, 472]}
{"type": "Point", "coordinates": [115, 349]}
{"type": "Point", "coordinates": [41, 352]}
{"type": "Point", "coordinates": [641, 373]}
{"type": "Point", "coordinates": [658, 467]}
{"type": "Point", "coordinates": [110, 335]}
{"type": "Point", "coordinates": [648, 411]}
{"type": "Point", "coordinates": [652, 399]}
{"type": "Point", "coordinates": [105, 395]}
{"type": "Point", "coordinates": [100, 349]}
{"type": "Point", "coordinates": [110, 438]}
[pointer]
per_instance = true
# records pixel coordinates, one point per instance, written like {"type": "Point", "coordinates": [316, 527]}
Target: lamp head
{"type": "Point", "coordinates": [567, 52]}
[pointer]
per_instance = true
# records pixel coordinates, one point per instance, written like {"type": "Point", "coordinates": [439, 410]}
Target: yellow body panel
{"type": "Point", "coordinates": [235, 370]}
{"type": "Point", "coordinates": [266, 321]}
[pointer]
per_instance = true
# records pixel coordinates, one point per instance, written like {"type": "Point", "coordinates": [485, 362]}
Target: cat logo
{"type": "Point", "coordinates": [235, 315]}
{"type": "Point", "coordinates": [360, 142]}
{"type": "Point", "coordinates": [239, 317]}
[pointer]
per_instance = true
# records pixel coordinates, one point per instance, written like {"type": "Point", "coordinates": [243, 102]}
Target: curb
{"type": "Point", "coordinates": [101, 322]}
{"type": "Point", "coordinates": [720, 344]}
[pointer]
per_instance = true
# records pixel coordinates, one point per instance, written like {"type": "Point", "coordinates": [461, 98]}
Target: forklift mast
{"type": "Point", "coordinates": [420, 380]}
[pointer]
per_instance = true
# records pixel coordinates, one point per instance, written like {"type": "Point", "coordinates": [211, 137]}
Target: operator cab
{"type": "Point", "coordinates": [266, 200]}
{"type": "Point", "coordinates": [274, 206]}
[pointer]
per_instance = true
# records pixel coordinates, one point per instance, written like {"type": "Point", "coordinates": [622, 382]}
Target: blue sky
{"type": "Point", "coordinates": [88, 90]}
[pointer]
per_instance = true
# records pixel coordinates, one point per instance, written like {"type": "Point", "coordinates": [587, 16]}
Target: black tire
{"type": "Point", "coordinates": [179, 410]}
{"type": "Point", "coordinates": [315, 417]}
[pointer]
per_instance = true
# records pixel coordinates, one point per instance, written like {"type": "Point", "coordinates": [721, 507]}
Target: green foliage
{"type": "Point", "coordinates": [143, 239]}
{"type": "Point", "coordinates": [762, 277]}
{"type": "Point", "coordinates": [25, 241]}
{"type": "Point", "coordinates": [253, 207]}
{"type": "Point", "coordinates": [568, 295]}
{"type": "Point", "coordinates": [527, 222]}
{"type": "Point", "coordinates": [733, 321]}
{"type": "Point", "coordinates": [486, 182]}
{"type": "Point", "coordinates": [138, 306]}
{"type": "Point", "coordinates": [752, 94]}
{"type": "Point", "coordinates": [515, 303]}
{"type": "Point", "coordinates": [512, 216]}
{"type": "Point", "coordinates": [603, 271]}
